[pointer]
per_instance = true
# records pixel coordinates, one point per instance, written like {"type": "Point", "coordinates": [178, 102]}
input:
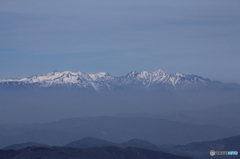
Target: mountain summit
{"type": "Point", "coordinates": [104, 81]}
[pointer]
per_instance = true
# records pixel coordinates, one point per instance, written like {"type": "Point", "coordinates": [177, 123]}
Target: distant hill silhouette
{"type": "Point", "coordinates": [89, 153]}
{"type": "Point", "coordinates": [23, 145]}
{"type": "Point", "coordinates": [91, 142]}
{"type": "Point", "coordinates": [88, 145]}
{"type": "Point", "coordinates": [94, 142]}
{"type": "Point", "coordinates": [140, 143]}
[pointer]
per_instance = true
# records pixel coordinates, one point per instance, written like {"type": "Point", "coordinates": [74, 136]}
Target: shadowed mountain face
{"type": "Point", "coordinates": [90, 153]}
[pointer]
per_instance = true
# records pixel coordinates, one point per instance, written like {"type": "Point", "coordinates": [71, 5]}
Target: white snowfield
{"type": "Point", "coordinates": [102, 79]}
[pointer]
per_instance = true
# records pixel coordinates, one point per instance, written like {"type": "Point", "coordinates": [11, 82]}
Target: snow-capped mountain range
{"type": "Point", "coordinates": [102, 80]}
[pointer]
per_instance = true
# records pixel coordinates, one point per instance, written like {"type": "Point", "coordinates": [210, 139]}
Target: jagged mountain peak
{"type": "Point", "coordinates": [103, 80]}
{"type": "Point", "coordinates": [132, 74]}
{"type": "Point", "coordinates": [159, 72]}
{"type": "Point", "coordinates": [179, 74]}
{"type": "Point", "coordinates": [145, 74]}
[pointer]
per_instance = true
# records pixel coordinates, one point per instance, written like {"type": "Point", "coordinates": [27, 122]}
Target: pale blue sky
{"type": "Point", "coordinates": [193, 37]}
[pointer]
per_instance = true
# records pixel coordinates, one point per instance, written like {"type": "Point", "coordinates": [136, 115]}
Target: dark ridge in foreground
{"type": "Point", "coordinates": [202, 149]}
{"type": "Point", "coordinates": [89, 153]}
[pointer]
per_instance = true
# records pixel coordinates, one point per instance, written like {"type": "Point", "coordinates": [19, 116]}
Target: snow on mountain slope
{"type": "Point", "coordinates": [103, 80]}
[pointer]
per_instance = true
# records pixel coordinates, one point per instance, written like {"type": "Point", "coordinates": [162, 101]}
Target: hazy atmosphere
{"type": "Point", "coordinates": [193, 37]}
{"type": "Point", "coordinates": [129, 79]}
